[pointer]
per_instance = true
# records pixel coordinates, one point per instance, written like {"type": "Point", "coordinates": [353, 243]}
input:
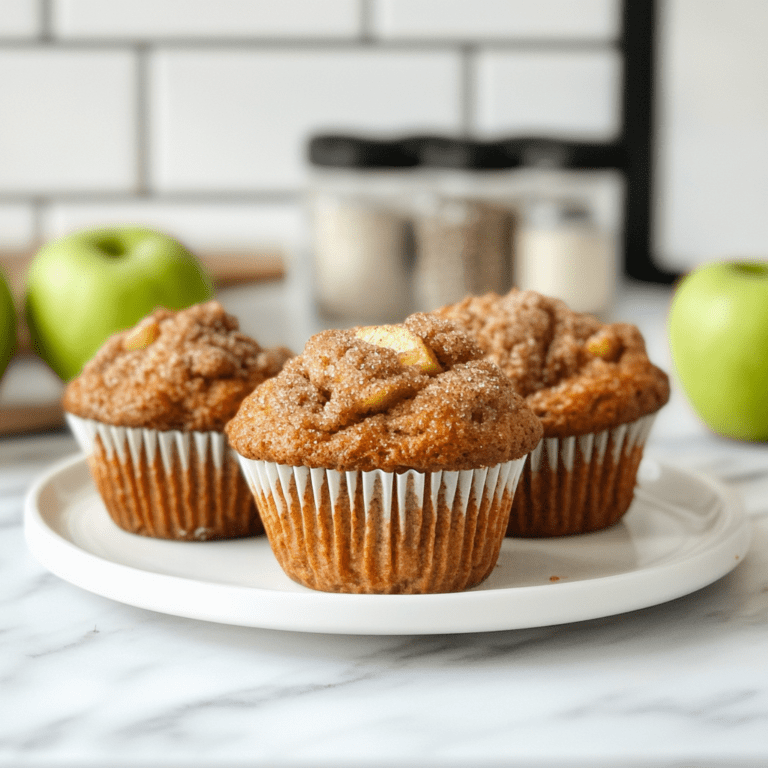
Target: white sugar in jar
{"type": "Point", "coordinates": [561, 252]}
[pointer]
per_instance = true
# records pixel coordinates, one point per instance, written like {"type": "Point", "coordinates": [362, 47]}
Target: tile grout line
{"type": "Point", "coordinates": [366, 21]}
{"type": "Point", "coordinates": [45, 11]}
{"type": "Point", "coordinates": [38, 214]}
{"type": "Point", "coordinates": [363, 40]}
{"type": "Point", "coordinates": [142, 121]}
{"type": "Point", "coordinates": [467, 88]}
{"type": "Point", "coordinates": [190, 197]}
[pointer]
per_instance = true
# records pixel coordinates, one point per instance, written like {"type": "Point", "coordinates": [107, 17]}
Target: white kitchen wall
{"type": "Point", "coordinates": [237, 119]}
{"type": "Point", "coordinates": [712, 192]}
{"type": "Point", "coordinates": [205, 19]}
{"type": "Point", "coordinates": [193, 116]}
{"type": "Point", "coordinates": [530, 92]}
{"type": "Point", "coordinates": [19, 19]}
{"type": "Point", "coordinates": [68, 120]}
{"type": "Point", "coordinates": [497, 19]}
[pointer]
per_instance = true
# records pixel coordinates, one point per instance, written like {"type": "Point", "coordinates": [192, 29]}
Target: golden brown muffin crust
{"type": "Point", "coordinates": [577, 374]}
{"type": "Point", "coordinates": [347, 404]}
{"type": "Point", "coordinates": [186, 370]}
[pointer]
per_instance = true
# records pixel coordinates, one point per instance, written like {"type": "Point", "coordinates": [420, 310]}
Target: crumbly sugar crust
{"type": "Point", "coordinates": [577, 374]}
{"type": "Point", "coordinates": [348, 404]}
{"type": "Point", "coordinates": [190, 372]}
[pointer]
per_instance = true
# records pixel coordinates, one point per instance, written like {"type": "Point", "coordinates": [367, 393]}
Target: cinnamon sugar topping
{"type": "Point", "coordinates": [577, 374]}
{"type": "Point", "coordinates": [186, 370]}
{"type": "Point", "coordinates": [349, 404]}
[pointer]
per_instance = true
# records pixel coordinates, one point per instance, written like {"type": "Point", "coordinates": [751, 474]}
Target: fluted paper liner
{"type": "Point", "coordinates": [384, 532]}
{"type": "Point", "coordinates": [168, 484]}
{"type": "Point", "coordinates": [579, 484]}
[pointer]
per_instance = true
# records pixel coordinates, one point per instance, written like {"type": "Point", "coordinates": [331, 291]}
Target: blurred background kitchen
{"type": "Point", "coordinates": [359, 159]}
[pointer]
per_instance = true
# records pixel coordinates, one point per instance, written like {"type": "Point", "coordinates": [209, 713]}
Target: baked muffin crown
{"type": "Point", "coordinates": [348, 404]}
{"type": "Point", "coordinates": [186, 370]}
{"type": "Point", "coordinates": [577, 374]}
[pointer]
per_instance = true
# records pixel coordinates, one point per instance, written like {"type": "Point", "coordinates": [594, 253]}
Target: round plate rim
{"type": "Point", "coordinates": [311, 611]}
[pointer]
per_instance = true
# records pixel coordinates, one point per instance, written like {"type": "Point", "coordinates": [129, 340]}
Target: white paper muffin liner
{"type": "Point", "coordinates": [580, 483]}
{"type": "Point", "coordinates": [384, 532]}
{"type": "Point", "coordinates": [168, 484]}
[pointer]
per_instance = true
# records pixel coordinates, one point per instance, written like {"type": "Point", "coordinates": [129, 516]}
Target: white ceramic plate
{"type": "Point", "coordinates": [682, 532]}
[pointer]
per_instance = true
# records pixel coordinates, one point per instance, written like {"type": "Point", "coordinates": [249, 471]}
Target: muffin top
{"type": "Point", "coordinates": [186, 370]}
{"type": "Point", "coordinates": [418, 395]}
{"type": "Point", "coordinates": [577, 374]}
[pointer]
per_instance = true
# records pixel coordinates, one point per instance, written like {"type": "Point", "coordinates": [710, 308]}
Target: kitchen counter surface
{"type": "Point", "coordinates": [86, 681]}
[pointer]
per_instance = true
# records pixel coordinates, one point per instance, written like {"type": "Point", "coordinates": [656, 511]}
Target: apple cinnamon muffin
{"type": "Point", "coordinates": [596, 393]}
{"type": "Point", "coordinates": [149, 412]}
{"type": "Point", "coordinates": [384, 458]}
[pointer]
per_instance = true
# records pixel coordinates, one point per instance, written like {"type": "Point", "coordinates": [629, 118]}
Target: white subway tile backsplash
{"type": "Point", "coordinates": [564, 93]}
{"type": "Point", "coordinates": [166, 19]}
{"type": "Point", "coordinates": [17, 226]}
{"type": "Point", "coordinates": [68, 120]}
{"type": "Point", "coordinates": [239, 119]}
{"type": "Point", "coordinates": [19, 19]}
{"type": "Point", "coordinates": [495, 19]}
{"type": "Point", "coordinates": [191, 115]}
{"type": "Point", "coordinates": [237, 227]}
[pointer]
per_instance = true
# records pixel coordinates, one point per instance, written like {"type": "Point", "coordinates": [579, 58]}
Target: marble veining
{"type": "Point", "coordinates": [85, 681]}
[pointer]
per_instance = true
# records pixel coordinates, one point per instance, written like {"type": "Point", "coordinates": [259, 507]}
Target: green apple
{"type": "Point", "coordinates": [718, 333]}
{"type": "Point", "coordinates": [7, 325]}
{"type": "Point", "coordinates": [88, 285]}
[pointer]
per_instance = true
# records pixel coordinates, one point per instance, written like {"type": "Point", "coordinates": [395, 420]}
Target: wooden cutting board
{"type": "Point", "coordinates": [25, 419]}
{"type": "Point", "coordinates": [227, 270]}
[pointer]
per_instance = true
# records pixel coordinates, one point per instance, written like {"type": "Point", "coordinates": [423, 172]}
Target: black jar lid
{"type": "Point", "coordinates": [333, 150]}
{"type": "Point", "coordinates": [347, 151]}
{"type": "Point", "coordinates": [461, 153]}
{"type": "Point", "coordinates": [551, 152]}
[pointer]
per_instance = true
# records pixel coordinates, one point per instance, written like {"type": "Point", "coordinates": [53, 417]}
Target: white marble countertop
{"type": "Point", "coordinates": [85, 681]}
